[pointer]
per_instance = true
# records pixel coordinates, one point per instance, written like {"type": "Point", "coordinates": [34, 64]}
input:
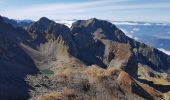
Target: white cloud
{"type": "Point", "coordinates": [125, 23]}
{"type": "Point", "coordinates": [136, 29]}
{"type": "Point", "coordinates": [130, 23]}
{"type": "Point", "coordinates": [65, 22]}
{"type": "Point", "coordinates": [136, 38]}
{"type": "Point", "coordinates": [162, 36]}
{"type": "Point", "coordinates": [162, 24]}
{"type": "Point", "coordinates": [165, 51]}
{"type": "Point", "coordinates": [95, 8]}
{"type": "Point", "coordinates": [127, 33]}
{"type": "Point", "coordinates": [147, 24]}
{"type": "Point", "coordinates": [56, 9]}
{"type": "Point", "coordinates": [132, 32]}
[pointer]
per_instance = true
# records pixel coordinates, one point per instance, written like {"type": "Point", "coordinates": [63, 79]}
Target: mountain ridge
{"type": "Point", "coordinates": [59, 51]}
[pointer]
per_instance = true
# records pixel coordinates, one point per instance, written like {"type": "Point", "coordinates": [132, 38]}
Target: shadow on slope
{"type": "Point", "coordinates": [159, 87]}
{"type": "Point", "coordinates": [15, 65]}
{"type": "Point", "coordinates": [13, 85]}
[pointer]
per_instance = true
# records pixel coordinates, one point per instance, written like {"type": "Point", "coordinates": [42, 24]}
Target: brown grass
{"type": "Point", "coordinates": [151, 90]}
{"type": "Point", "coordinates": [93, 83]}
{"type": "Point", "coordinates": [122, 51]}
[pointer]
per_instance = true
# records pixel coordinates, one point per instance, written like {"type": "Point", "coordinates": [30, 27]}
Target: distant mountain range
{"type": "Point", "coordinates": [17, 23]}
{"type": "Point", "coordinates": [91, 59]}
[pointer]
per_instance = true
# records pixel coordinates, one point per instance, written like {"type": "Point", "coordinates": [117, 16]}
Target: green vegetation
{"type": "Point", "coordinates": [47, 71]}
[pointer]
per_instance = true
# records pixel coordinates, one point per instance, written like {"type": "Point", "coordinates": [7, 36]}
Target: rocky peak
{"type": "Point", "coordinates": [96, 39]}
{"type": "Point", "coordinates": [44, 19]}
{"type": "Point", "coordinates": [100, 29]}
{"type": "Point", "coordinates": [106, 45]}
{"type": "Point", "coordinates": [41, 25]}
{"type": "Point", "coordinates": [44, 22]}
{"type": "Point", "coordinates": [45, 29]}
{"type": "Point", "coordinates": [50, 40]}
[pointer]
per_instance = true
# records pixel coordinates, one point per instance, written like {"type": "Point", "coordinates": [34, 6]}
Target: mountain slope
{"type": "Point", "coordinates": [102, 43]}
{"type": "Point", "coordinates": [93, 58]}
{"type": "Point", "coordinates": [95, 83]}
{"type": "Point", "coordinates": [15, 64]}
{"type": "Point", "coordinates": [109, 46]}
{"type": "Point", "coordinates": [51, 41]}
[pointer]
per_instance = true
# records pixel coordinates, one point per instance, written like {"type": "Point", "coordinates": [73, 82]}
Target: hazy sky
{"type": "Point", "coordinates": [119, 10]}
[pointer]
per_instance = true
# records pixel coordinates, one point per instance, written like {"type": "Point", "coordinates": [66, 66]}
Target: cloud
{"type": "Point", "coordinates": [131, 32]}
{"type": "Point", "coordinates": [127, 33]}
{"type": "Point", "coordinates": [136, 38]}
{"type": "Point", "coordinates": [125, 23]}
{"type": "Point", "coordinates": [147, 24]}
{"type": "Point", "coordinates": [54, 9]}
{"type": "Point", "coordinates": [165, 51]}
{"type": "Point", "coordinates": [163, 24]}
{"type": "Point", "coordinates": [88, 9]}
{"type": "Point", "coordinates": [130, 23]}
{"type": "Point", "coordinates": [162, 36]}
{"type": "Point", "coordinates": [135, 29]}
{"type": "Point", "coordinates": [65, 22]}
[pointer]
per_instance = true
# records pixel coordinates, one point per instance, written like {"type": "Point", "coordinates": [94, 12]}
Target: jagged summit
{"type": "Point", "coordinates": [92, 21]}
{"type": "Point", "coordinates": [84, 23]}
{"type": "Point", "coordinates": [50, 40]}
{"type": "Point", "coordinates": [44, 22]}
{"type": "Point", "coordinates": [45, 30]}
{"type": "Point", "coordinates": [106, 45]}
{"type": "Point", "coordinates": [105, 29]}
{"type": "Point", "coordinates": [45, 19]}
{"type": "Point", "coordinates": [96, 38]}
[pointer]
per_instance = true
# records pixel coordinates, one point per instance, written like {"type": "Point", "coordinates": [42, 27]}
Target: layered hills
{"type": "Point", "coordinates": [91, 60]}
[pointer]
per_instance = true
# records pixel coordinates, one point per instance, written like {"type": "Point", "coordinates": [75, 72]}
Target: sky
{"type": "Point", "coordinates": [118, 10]}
